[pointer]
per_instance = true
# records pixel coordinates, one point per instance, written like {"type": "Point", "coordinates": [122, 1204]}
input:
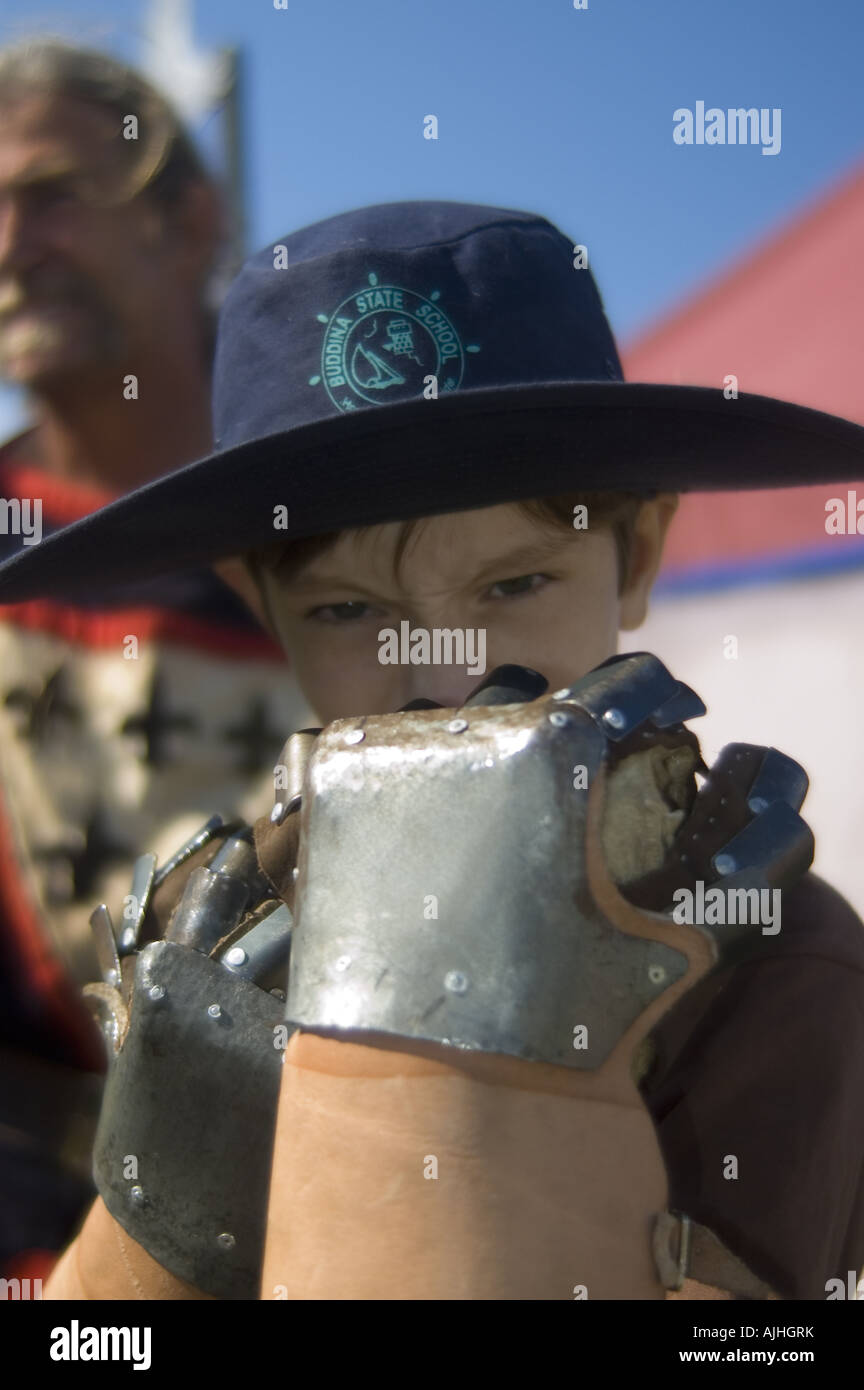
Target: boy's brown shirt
{"type": "Point", "coordinates": [764, 1062]}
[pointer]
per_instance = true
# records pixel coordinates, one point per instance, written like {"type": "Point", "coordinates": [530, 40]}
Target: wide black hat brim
{"type": "Point", "coordinates": [422, 457]}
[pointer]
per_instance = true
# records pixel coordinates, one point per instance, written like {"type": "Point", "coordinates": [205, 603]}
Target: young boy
{"type": "Point", "coordinates": [423, 434]}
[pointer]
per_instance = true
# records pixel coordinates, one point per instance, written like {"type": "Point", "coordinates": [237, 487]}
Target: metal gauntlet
{"type": "Point", "coordinates": [495, 879]}
{"type": "Point", "coordinates": [193, 1024]}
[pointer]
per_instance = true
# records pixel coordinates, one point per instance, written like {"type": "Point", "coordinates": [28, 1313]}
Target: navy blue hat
{"type": "Point", "coordinates": [416, 358]}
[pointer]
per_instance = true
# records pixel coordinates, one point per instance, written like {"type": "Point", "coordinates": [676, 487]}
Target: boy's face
{"type": "Point", "coordinates": [543, 596]}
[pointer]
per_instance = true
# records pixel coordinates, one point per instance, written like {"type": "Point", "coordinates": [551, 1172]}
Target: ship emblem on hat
{"type": "Point", "coordinates": [384, 343]}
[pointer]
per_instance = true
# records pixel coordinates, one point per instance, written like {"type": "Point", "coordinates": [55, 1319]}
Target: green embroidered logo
{"type": "Point", "coordinates": [384, 343]}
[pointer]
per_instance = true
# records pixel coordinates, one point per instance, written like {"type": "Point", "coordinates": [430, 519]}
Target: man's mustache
{"type": "Point", "coordinates": [16, 295]}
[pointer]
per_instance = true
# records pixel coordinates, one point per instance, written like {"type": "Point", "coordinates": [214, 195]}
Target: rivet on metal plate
{"type": "Point", "coordinates": [725, 864]}
{"type": "Point", "coordinates": [614, 718]}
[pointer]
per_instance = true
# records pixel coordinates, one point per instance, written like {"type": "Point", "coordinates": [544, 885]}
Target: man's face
{"type": "Point", "coordinates": [545, 597]}
{"type": "Point", "coordinates": [82, 273]}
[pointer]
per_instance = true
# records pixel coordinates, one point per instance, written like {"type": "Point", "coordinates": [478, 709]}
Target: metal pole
{"type": "Point", "coordinates": [234, 160]}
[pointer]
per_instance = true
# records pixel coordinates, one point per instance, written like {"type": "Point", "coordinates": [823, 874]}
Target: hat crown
{"type": "Point", "coordinates": [399, 301]}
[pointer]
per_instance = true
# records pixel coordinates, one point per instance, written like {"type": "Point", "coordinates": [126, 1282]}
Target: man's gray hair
{"type": "Point", "coordinates": [167, 160]}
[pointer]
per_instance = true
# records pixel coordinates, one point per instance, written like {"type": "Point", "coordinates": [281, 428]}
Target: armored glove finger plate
{"type": "Point", "coordinates": [204, 1038]}
{"type": "Point", "coordinates": [443, 889]}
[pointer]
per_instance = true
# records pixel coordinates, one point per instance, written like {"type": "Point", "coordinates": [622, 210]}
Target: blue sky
{"type": "Point", "coordinates": [540, 106]}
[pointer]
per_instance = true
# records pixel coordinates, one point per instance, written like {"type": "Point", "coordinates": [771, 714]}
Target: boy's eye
{"type": "Point", "coordinates": [523, 584]}
{"type": "Point", "coordinates": [340, 612]}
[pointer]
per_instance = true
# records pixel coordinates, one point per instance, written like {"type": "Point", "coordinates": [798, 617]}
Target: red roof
{"type": "Point", "coordinates": [787, 322]}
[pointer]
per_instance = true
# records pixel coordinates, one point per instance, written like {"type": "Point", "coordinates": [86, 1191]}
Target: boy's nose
{"type": "Point", "coordinates": [449, 686]}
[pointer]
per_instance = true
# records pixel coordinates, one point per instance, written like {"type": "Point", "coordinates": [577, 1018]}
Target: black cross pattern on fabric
{"type": "Point", "coordinates": [42, 712]}
{"type": "Point", "coordinates": [87, 861]}
{"type": "Point", "coordinates": [156, 723]}
{"type": "Point", "coordinates": [258, 741]}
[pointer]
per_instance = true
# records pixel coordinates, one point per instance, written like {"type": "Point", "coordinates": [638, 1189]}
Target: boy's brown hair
{"type": "Point", "coordinates": [612, 511]}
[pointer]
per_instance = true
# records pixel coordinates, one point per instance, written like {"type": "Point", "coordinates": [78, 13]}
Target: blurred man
{"type": "Point", "coordinates": [109, 229]}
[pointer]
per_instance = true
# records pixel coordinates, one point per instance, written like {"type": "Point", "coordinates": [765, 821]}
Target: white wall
{"type": "Point", "coordinates": [797, 684]}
